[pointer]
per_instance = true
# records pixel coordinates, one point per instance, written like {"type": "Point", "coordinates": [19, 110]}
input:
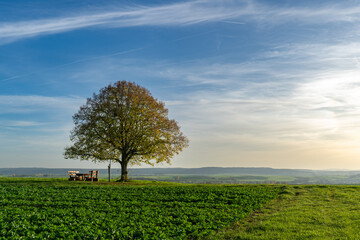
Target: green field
{"type": "Point", "coordinates": [56, 208]}
{"type": "Point", "coordinates": [52, 209]}
{"type": "Point", "coordinates": [303, 212]}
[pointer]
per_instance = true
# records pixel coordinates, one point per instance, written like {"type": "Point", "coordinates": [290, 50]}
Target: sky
{"type": "Point", "coordinates": [251, 83]}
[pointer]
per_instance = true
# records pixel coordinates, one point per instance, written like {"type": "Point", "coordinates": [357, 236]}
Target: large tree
{"type": "Point", "coordinates": [126, 124]}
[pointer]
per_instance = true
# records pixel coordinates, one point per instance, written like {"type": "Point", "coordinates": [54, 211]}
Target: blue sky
{"type": "Point", "coordinates": [252, 83]}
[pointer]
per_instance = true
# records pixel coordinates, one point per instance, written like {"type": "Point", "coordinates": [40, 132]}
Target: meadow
{"type": "Point", "coordinates": [56, 208]}
{"type": "Point", "coordinates": [303, 212]}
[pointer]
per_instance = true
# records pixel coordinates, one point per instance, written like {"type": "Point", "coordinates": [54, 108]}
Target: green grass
{"type": "Point", "coordinates": [57, 208]}
{"type": "Point", "coordinates": [303, 212]}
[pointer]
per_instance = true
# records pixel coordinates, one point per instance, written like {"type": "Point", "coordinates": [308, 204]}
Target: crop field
{"type": "Point", "coordinates": [53, 209]}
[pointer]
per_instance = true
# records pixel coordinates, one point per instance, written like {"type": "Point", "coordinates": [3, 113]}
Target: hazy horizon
{"type": "Point", "coordinates": [251, 83]}
{"type": "Point", "coordinates": [170, 167]}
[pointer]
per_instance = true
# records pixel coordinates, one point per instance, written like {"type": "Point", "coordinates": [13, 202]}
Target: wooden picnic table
{"type": "Point", "coordinates": [82, 176]}
{"type": "Point", "coordinates": [76, 176]}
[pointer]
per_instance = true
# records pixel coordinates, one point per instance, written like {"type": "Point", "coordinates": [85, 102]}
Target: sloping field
{"type": "Point", "coordinates": [53, 209]}
{"type": "Point", "coordinates": [303, 212]}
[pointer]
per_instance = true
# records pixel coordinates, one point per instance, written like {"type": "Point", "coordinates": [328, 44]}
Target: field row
{"type": "Point", "coordinates": [89, 211]}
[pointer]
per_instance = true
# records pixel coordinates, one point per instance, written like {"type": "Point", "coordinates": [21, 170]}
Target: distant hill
{"type": "Point", "coordinates": [206, 171]}
{"type": "Point", "coordinates": [237, 171]}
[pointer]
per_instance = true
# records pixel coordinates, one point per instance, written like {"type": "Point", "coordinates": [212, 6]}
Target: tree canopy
{"type": "Point", "coordinates": [126, 124]}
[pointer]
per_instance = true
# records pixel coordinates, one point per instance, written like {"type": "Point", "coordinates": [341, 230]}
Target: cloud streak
{"type": "Point", "coordinates": [21, 124]}
{"type": "Point", "coordinates": [35, 103]}
{"type": "Point", "coordinates": [178, 14]}
{"type": "Point", "coordinates": [173, 14]}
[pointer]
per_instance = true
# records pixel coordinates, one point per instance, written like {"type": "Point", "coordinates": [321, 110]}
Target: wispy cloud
{"type": "Point", "coordinates": [304, 99]}
{"type": "Point", "coordinates": [186, 13]}
{"type": "Point", "coordinates": [178, 14]}
{"type": "Point", "coordinates": [21, 124]}
{"type": "Point", "coordinates": [23, 104]}
{"type": "Point", "coordinates": [35, 127]}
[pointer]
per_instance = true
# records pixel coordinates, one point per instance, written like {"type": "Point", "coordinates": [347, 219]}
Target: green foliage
{"type": "Point", "coordinates": [46, 210]}
{"type": "Point", "coordinates": [126, 124]}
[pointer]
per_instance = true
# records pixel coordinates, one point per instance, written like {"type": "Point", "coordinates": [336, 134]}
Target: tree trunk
{"type": "Point", "coordinates": [124, 172]}
{"type": "Point", "coordinates": [109, 171]}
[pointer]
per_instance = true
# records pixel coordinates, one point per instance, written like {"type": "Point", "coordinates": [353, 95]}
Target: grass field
{"type": "Point", "coordinates": [303, 212]}
{"type": "Point", "coordinates": [50, 209]}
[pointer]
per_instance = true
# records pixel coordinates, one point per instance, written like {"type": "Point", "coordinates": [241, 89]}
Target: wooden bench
{"type": "Point", "coordinates": [93, 176]}
{"type": "Point", "coordinates": [73, 175]}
